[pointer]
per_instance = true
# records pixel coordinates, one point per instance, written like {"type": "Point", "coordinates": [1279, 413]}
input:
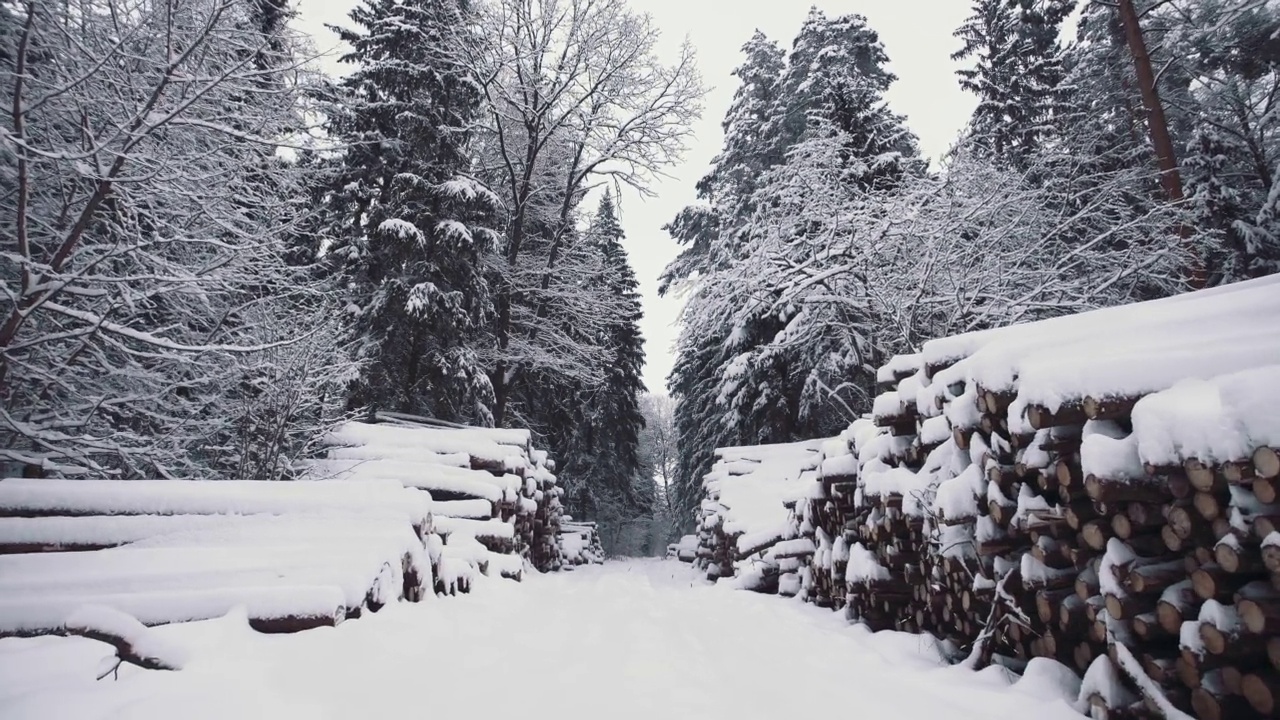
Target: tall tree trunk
{"type": "Point", "coordinates": [1158, 127]}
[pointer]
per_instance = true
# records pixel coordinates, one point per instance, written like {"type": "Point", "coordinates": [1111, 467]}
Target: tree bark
{"type": "Point", "coordinates": [1157, 126]}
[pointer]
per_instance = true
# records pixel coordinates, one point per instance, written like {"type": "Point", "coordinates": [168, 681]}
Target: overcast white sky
{"type": "Point", "coordinates": [916, 34]}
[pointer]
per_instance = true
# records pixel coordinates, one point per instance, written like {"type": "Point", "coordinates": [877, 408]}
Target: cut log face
{"type": "Point", "coordinates": [1262, 690]}
{"type": "Point", "coordinates": [1259, 615]}
{"type": "Point", "coordinates": [1209, 505]}
{"type": "Point", "coordinates": [1236, 559]}
{"type": "Point", "coordinates": [1267, 490]}
{"type": "Point", "coordinates": [1202, 477]}
{"type": "Point", "coordinates": [1266, 462]}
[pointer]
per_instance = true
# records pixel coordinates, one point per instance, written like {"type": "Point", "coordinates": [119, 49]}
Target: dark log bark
{"type": "Point", "coordinates": [1145, 490]}
{"type": "Point", "coordinates": [1040, 417]}
{"type": "Point", "coordinates": [1155, 577]}
{"type": "Point", "coordinates": [1112, 407]}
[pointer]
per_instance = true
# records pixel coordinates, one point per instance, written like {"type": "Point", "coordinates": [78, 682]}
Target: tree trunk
{"type": "Point", "coordinates": [1157, 126]}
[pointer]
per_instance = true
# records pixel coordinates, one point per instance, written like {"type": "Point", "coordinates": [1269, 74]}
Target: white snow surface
{"type": "Point", "coordinates": [239, 497]}
{"type": "Point", "coordinates": [753, 482]}
{"type": "Point", "coordinates": [638, 640]}
{"type": "Point", "coordinates": [508, 447]}
{"type": "Point", "coordinates": [1217, 420]}
{"type": "Point", "coordinates": [1176, 314]}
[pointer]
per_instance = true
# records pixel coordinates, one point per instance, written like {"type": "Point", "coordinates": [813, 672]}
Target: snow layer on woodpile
{"type": "Point", "coordinates": [158, 607]}
{"type": "Point", "coordinates": [360, 572]}
{"type": "Point", "coordinates": [472, 441]}
{"type": "Point", "coordinates": [1113, 321]}
{"type": "Point", "coordinates": [475, 509]}
{"type": "Point", "coordinates": [898, 365]}
{"type": "Point", "coordinates": [491, 528]}
{"type": "Point", "coordinates": [911, 486]}
{"type": "Point", "coordinates": [863, 566]}
{"type": "Point", "coordinates": [1047, 678]}
{"type": "Point", "coordinates": [887, 404]}
{"type": "Point", "coordinates": [394, 452]}
{"type": "Point", "coordinates": [142, 642]}
{"type": "Point", "coordinates": [106, 530]}
{"type": "Point", "coordinates": [1111, 459]}
{"type": "Point", "coordinates": [479, 484]}
{"type": "Point", "coordinates": [935, 430]}
{"type": "Point", "coordinates": [755, 500]}
{"type": "Point", "coordinates": [1216, 420]}
{"type": "Point", "coordinates": [223, 497]}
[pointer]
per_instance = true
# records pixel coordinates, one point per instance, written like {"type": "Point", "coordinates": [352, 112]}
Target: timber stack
{"type": "Point", "coordinates": [295, 555]}
{"type": "Point", "coordinates": [495, 496]}
{"type": "Point", "coordinates": [580, 543]}
{"type": "Point", "coordinates": [745, 526]}
{"type": "Point", "coordinates": [397, 511]}
{"type": "Point", "coordinates": [1101, 489]}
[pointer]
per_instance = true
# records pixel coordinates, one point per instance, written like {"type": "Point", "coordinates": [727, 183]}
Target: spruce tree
{"type": "Point", "coordinates": [726, 191]}
{"type": "Point", "coordinates": [607, 469]}
{"type": "Point", "coordinates": [1017, 74]}
{"type": "Point", "coordinates": [408, 228]}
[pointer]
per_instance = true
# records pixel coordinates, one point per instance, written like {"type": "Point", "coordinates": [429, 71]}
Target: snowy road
{"type": "Point", "coordinates": [629, 640]}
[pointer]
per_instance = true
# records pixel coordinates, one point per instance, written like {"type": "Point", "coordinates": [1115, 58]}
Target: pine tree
{"type": "Point", "coordinates": [726, 191]}
{"type": "Point", "coordinates": [1017, 73]}
{"type": "Point", "coordinates": [408, 226]}
{"type": "Point", "coordinates": [606, 469]}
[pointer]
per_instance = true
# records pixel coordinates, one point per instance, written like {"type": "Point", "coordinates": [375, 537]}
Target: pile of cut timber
{"type": "Point", "coordinates": [1101, 489]}
{"type": "Point", "coordinates": [744, 524]}
{"type": "Point", "coordinates": [296, 555]}
{"type": "Point", "coordinates": [580, 542]}
{"type": "Point", "coordinates": [497, 504]}
{"type": "Point", "coordinates": [686, 550]}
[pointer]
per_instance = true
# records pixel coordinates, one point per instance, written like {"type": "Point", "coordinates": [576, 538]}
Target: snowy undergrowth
{"type": "Point", "coordinates": [627, 640]}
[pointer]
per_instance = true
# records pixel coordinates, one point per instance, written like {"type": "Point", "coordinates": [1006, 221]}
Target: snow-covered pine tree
{"type": "Point", "coordinates": [832, 121]}
{"type": "Point", "coordinates": [1016, 74]}
{"type": "Point", "coordinates": [409, 227]}
{"type": "Point", "coordinates": [603, 472]}
{"type": "Point", "coordinates": [1221, 99]}
{"type": "Point", "coordinates": [706, 230]}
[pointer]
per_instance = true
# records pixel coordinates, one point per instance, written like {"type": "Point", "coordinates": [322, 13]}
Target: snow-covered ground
{"type": "Point", "coordinates": [642, 639]}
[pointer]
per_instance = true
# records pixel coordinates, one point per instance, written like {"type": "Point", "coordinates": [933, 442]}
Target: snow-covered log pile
{"type": "Point", "coordinates": [497, 504]}
{"type": "Point", "coordinates": [1102, 489]}
{"type": "Point", "coordinates": [745, 526]}
{"type": "Point", "coordinates": [686, 550]}
{"type": "Point", "coordinates": [294, 555]}
{"type": "Point", "coordinates": [580, 542]}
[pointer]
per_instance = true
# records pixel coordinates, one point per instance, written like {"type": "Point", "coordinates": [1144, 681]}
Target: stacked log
{"type": "Point", "coordinates": [751, 493]}
{"type": "Point", "coordinates": [1061, 490]}
{"type": "Point", "coordinates": [295, 555]}
{"type": "Point", "coordinates": [462, 467]}
{"type": "Point", "coordinates": [580, 543]}
{"type": "Point", "coordinates": [686, 550]}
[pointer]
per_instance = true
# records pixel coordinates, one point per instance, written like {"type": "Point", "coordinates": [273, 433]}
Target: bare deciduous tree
{"type": "Point", "coordinates": [575, 96]}
{"type": "Point", "coordinates": [149, 208]}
